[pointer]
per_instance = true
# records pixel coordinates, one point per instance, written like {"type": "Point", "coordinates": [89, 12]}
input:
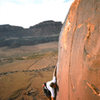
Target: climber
{"type": "Point", "coordinates": [50, 87]}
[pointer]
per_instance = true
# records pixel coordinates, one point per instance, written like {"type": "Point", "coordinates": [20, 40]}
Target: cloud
{"type": "Point", "coordinates": [29, 12]}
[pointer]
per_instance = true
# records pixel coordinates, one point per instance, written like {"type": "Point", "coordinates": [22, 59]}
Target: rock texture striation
{"type": "Point", "coordinates": [79, 53]}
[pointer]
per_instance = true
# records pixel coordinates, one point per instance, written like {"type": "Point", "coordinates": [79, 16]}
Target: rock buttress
{"type": "Point", "coordinates": [78, 75]}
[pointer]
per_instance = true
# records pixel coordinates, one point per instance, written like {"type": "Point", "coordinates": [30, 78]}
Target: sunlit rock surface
{"type": "Point", "coordinates": [79, 53]}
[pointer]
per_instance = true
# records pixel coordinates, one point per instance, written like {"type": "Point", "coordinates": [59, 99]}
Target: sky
{"type": "Point", "coordinates": [27, 13]}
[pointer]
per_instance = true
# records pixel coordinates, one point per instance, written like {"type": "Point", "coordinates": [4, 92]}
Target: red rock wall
{"type": "Point", "coordinates": [79, 52]}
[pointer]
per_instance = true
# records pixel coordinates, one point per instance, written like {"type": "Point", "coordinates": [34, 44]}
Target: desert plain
{"type": "Point", "coordinates": [23, 70]}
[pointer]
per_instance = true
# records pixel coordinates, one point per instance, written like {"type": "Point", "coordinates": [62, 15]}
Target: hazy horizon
{"type": "Point", "coordinates": [31, 25]}
{"type": "Point", "coordinates": [31, 12]}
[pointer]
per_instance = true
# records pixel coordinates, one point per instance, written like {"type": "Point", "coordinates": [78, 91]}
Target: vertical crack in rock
{"type": "Point", "coordinates": [69, 74]}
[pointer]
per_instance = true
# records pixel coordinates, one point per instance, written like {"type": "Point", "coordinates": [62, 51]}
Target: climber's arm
{"type": "Point", "coordinates": [52, 94]}
{"type": "Point", "coordinates": [54, 73]}
{"type": "Point", "coordinates": [52, 98]}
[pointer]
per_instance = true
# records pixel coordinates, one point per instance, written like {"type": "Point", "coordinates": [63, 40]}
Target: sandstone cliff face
{"type": "Point", "coordinates": [79, 53]}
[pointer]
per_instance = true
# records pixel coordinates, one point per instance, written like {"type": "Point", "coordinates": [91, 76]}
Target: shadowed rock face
{"type": "Point", "coordinates": [79, 53]}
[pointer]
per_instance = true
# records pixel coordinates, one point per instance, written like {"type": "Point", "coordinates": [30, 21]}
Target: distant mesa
{"type": "Point", "coordinates": [7, 27]}
{"type": "Point", "coordinates": [47, 23]}
{"type": "Point", "coordinates": [15, 36]}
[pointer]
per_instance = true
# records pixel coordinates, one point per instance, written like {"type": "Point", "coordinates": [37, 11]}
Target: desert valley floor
{"type": "Point", "coordinates": [23, 70]}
